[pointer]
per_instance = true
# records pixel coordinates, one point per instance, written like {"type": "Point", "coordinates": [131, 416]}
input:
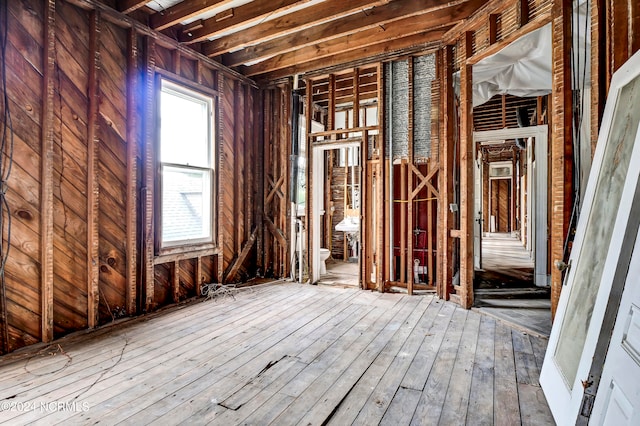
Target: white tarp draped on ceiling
{"type": "Point", "coordinates": [523, 68]}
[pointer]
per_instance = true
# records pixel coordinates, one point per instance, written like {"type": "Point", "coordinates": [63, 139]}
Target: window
{"type": "Point", "coordinates": [186, 165]}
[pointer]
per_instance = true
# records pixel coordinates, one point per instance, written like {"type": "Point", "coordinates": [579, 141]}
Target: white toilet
{"type": "Point", "coordinates": [324, 255]}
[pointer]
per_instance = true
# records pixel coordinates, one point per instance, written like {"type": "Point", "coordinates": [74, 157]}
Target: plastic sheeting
{"type": "Point", "coordinates": [523, 68]}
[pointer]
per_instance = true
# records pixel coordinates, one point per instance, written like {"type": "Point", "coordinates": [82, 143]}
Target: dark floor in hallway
{"type": "Point", "coordinates": [504, 287]}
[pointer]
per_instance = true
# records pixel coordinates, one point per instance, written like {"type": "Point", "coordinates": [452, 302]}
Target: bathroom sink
{"type": "Point", "coordinates": [349, 224]}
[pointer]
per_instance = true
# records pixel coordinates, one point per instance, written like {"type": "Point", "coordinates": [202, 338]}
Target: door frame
{"type": "Point", "coordinates": [490, 201]}
{"type": "Point", "coordinates": [477, 206]}
{"type": "Point", "coordinates": [540, 134]}
{"type": "Point", "coordinates": [317, 172]}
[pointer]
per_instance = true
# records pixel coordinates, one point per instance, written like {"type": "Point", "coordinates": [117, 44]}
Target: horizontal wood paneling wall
{"type": "Point", "coordinates": [78, 94]}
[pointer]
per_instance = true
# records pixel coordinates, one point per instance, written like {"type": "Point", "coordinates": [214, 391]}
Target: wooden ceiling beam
{"type": "Point", "coordinates": [402, 28]}
{"type": "Point", "coordinates": [128, 6]}
{"type": "Point", "coordinates": [376, 52]}
{"type": "Point", "coordinates": [252, 12]}
{"type": "Point", "coordinates": [182, 11]}
{"type": "Point", "coordinates": [295, 21]}
{"type": "Point", "coordinates": [378, 17]}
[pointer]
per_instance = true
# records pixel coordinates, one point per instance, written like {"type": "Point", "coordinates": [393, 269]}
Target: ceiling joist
{"type": "Point", "coordinates": [268, 39]}
{"type": "Point", "coordinates": [347, 43]}
{"type": "Point", "coordinates": [183, 11]}
{"type": "Point", "coordinates": [303, 19]}
{"type": "Point", "coordinates": [393, 16]}
{"type": "Point", "coordinates": [128, 6]}
{"type": "Point", "coordinates": [420, 42]}
{"type": "Point", "coordinates": [253, 12]}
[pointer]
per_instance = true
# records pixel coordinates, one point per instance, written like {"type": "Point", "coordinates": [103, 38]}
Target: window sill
{"type": "Point", "coordinates": [173, 254]}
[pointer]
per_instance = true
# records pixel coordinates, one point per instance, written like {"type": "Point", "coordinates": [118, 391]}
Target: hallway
{"type": "Point", "coordinates": [504, 256]}
{"type": "Point", "coordinates": [504, 287]}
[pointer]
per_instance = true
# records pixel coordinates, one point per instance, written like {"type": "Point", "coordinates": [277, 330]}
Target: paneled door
{"type": "Point", "coordinates": [618, 398]}
{"type": "Point", "coordinates": [597, 264]}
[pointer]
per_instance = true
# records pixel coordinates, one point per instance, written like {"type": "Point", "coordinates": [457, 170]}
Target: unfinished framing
{"type": "Point", "coordinates": [493, 27]}
{"type": "Point", "coordinates": [85, 207]}
{"type": "Point", "coordinates": [84, 191]}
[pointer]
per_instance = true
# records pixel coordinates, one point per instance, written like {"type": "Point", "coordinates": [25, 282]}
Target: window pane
{"type": "Point", "coordinates": [186, 204]}
{"type": "Point", "coordinates": [184, 127]}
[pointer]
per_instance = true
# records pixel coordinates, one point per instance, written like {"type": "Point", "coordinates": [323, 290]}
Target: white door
{"type": "Point", "coordinates": [604, 221]}
{"type": "Point", "coordinates": [477, 205]}
{"type": "Point", "coordinates": [618, 398]}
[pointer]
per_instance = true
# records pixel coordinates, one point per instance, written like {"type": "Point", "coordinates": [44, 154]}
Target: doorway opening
{"type": "Point", "coordinates": [511, 233]}
{"type": "Point", "coordinates": [510, 100]}
{"type": "Point", "coordinates": [337, 197]}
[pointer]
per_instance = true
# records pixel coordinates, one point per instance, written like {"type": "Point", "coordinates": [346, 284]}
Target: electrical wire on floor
{"type": "Point", "coordinates": [49, 351]}
{"type": "Point", "coordinates": [6, 162]}
{"type": "Point", "coordinates": [217, 290]}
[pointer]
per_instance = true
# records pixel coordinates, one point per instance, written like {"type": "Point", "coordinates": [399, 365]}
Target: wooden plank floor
{"type": "Point", "coordinates": [286, 354]}
{"type": "Point", "coordinates": [505, 254]}
{"type": "Point", "coordinates": [505, 289]}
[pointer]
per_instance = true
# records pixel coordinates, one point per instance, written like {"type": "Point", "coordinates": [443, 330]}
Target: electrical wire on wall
{"type": "Point", "coordinates": [579, 64]}
{"type": "Point", "coordinates": [6, 161]}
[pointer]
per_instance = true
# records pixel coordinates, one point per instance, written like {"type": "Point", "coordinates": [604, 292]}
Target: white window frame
{"type": "Point", "coordinates": [170, 86]}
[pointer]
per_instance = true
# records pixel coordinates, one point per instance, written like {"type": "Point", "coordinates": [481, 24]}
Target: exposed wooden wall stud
{"type": "Point", "coordinates": [446, 171]}
{"type": "Point", "coordinates": [46, 197]}
{"type": "Point", "coordinates": [466, 178]}
{"type": "Point", "coordinates": [149, 170]}
{"type": "Point", "coordinates": [176, 281]}
{"type": "Point", "coordinates": [93, 189]}
{"type": "Point", "coordinates": [220, 187]}
{"type": "Point", "coordinates": [198, 278]}
{"type": "Point", "coordinates": [380, 179]}
{"type": "Point", "coordinates": [309, 171]}
{"type": "Point", "coordinates": [132, 169]}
